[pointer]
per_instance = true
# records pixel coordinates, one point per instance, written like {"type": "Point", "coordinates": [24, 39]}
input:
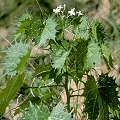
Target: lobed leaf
{"type": "Point", "coordinates": [39, 113]}
{"type": "Point", "coordinates": [91, 98]}
{"type": "Point", "coordinates": [34, 31]}
{"type": "Point", "coordinates": [48, 32]}
{"type": "Point", "coordinates": [22, 26]}
{"type": "Point", "coordinates": [109, 96]}
{"type": "Point", "coordinates": [17, 57]}
{"type": "Point", "coordinates": [81, 30]}
{"type": "Point", "coordinates": [107, 90]}
{"type": "Point", "coordinates": [35, 113]}
{"type": "Point", "coordinates": [59, 56]}
{"type": "Point", "coordinates": [93, 56]}
{"type": "Point", "coordinates": [101, 97]}
{"type": "Point", "coordinates": [59, 114]}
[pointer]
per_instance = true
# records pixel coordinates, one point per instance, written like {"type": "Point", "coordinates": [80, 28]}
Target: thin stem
{"type": "Point", "coordinates": [67, 92]}
{"type": "Point", "coordinates": [6, 40]}
{"type": "Point", "coordinates": [39, 6]}
{"type": "Point", "coordinates": [45, 86]}
{"type": "Point", "coordinates": [31, 65]}
{"type": "Point", "coordinates": [76, 95]}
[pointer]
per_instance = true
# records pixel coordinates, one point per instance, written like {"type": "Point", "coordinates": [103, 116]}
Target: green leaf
{"type": "Point", "coordinates": [14, 55]}
{"type": "Point", "coordinates": [97, 32]}
{"type": "Point", "coordinates": [23, 61]}
{"type": "Point", "coordinates": [29, 28]}
{"type": "Point", "coordinates": [35, 113]}
{"type": "Point", "coordinates": [94, 30]}
{"type": "Point", "coordinates": [54, 74]}
{"type": "Point", "coordinates": [59, 56]}
{"type": "Point", "coordinates": [107, 55]}
{"type": "Point", "coordinates": [22, 26]}
{"type": "Point", "coordinates": [107, 90]}
{"type": "Point", "coordinates": [75, 61]}
{"type": "Point", "coordinates": [101, 97]}
{"type": "Point", "coordinates": [46, 97]}
{"type": "Point", "coordinates": [24, 17]}
{"type": "Point", "coordinates": [43, 70]}
{"type": "Point", "coordinates": [23, 23]}
{"type": "Point", "coordinates": [59, 114]}
{"type": "Point", "coordinates": [34, 31]}
{"type": "Point", "coordinates": [10, 91]}
{"type": "Point", "coordinates": [25, 104]}
{"type": "Point", "coordinates": [17, 50]}
{"type": "Point", "coordinates": [91, 98]}
{"type": "Point", "coordinates": [115, 114]}
{"type": "Point", "coordinates": [93, 56]}
{"type": "Point", "coordinates": [104, 112]}
{"type": "Point", "coordinates": [106, 52]}
{"type": "Point", "coordinates": [39, 113]}
{"type": "Point", "coordinates": [48, 32]}
{"type": "Point", "coordinates": [81, 30]}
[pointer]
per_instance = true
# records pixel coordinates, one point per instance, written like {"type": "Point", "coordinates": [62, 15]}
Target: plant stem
{"type": "Point", "coordinates": [76, 95]}
{"type": "Point", "coordinates": [67, 92]}
{"type": "Point", "coordinates": [31, 65]}
{"type": "Point", "coordinates": [46, 86]}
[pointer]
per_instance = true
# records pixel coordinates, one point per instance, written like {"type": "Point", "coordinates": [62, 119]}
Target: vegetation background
{"type": "Point", "coordinates": [107, 11]}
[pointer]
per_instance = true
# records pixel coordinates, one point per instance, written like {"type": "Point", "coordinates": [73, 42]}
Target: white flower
{"type": "Point", "coordinates": [72, 12]}
{"type": "Point", "coordinates": [59, 7]}
{"type": "Point", "coordinates": [79, 13]}
{"type": "Point", "coordinates": [57, 10]}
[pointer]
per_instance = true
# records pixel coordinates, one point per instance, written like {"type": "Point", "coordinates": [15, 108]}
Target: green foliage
{"type": "Point", "coordinates": [28, 28]}
{"type": "Point", "coordinates": [101, 96]}
{"type": "Point", "coordinates": [59, 56]}
{"type": "Point", "coordinates": [108, 91]}
{"type": "Point", "coordinates": [95, 28]}
{"type": "Point", "coordinates": [93, 56]}
{"type": "Point", "coordinates": [43, 71]}
{"type": "Point", "coordinates": [7, 94]}
{"type": "Point", "coordinates": [107, 56]}
{"type": "Point", "coordinates": [77, 57]}
{"type": "Point", "coordinates": [91, 98]}
{"type": "Point", "coordinates": [25, 104]}
{"type": "Point", "coordinates": [14, 55]}
{"type": "Point", "coordinates": [109, 96]}
{"type": "Point", "coordinates": [40, 113]}
{"type": "Point", "coordinates": [63, 59]}
{"type": "Point", "coordinates": [23, 61]}
{"type": "Point", "coordinates": [35, 112]}
{"type": "Point", "coordinates": [59, 114]}
{"type": "Point", "coordinates": [22, 26]}
{"type": "Point", "coordinates": [81, 30]}
{"type": "Point", "coordinates": [48, 32]}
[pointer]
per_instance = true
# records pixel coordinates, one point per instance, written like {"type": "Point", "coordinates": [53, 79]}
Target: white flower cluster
{"type": "Point", "coordinates": [72, 12]}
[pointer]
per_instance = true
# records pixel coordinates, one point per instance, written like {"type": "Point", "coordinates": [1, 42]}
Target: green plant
{"type": "Point", "coordinates": [42, 114]}
{"type": "Point", "coordinates": [67, 58]}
